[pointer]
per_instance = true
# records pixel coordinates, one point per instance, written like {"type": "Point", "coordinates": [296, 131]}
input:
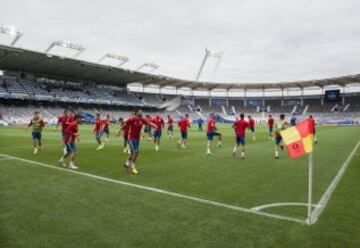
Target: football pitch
{"type": "Point", "coordinates": [180, 198]}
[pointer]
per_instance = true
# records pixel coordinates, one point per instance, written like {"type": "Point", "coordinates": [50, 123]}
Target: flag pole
{"type": "Point", "coordinates": [310, 188]}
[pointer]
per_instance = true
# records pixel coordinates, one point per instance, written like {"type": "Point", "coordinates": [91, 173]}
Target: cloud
{"type": "Point", "coordinates": [262, 41]}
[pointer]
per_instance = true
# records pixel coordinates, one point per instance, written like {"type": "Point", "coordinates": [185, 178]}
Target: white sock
{"type": "Point", "coordinates": [242, 154]}
{"type": "Point", "coordinates": [235, 149]}
{"type": "Point", "coordinates": [127, 163]}
{"type": "Point", "coordinates": [132, 165]}
{"type": "Point", "coordinates": [208, 150]}
{"type": "Point", "coordinates": [276, 154]}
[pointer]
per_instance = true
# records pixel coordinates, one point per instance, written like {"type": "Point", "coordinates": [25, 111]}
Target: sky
{"type": "Point", "coordinates": [261, 41]}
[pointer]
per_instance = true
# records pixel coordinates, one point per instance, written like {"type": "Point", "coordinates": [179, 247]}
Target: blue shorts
{"type": "Point", "coordinates": [106, 131]}
{"type": "Point", "coordinates": [157, 134]}
{"type": "Point", "coordinates": [211, 135]}
{"type": "Point", "coordinates": [184, 135]}
{"type": "Point", "coordinates": [240, 140]}
{"type": "Point", "coordinates": [134, 145]}
{"type": "Point", "coordinates": [170, 128]}
{"type": "Point", "coordinates": [270, 129]}
{"type": "Point", "coordinates": [278, 139]}
{"type": "Point", "coordinates": [98, 135]}
{"type": "Point", "coordinates": [252, 129]}
{"type": "Point", "coordinates": [147, 130]}
{"type": "Point", "coordinates": [70, 147]}
{"type": "Point", "coordinates": [36, 135]}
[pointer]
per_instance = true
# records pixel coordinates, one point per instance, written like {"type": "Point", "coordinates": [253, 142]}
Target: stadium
{"type": "Point", "coordinates": [204, 176]}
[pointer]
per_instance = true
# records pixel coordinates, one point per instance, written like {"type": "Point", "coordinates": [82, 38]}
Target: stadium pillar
{"type": "Point", "coordinates": [302, 97]}
{"type": "Point", "coordinates": [343, 96]}
{"type": "Point", "coordinates": [322, 96]}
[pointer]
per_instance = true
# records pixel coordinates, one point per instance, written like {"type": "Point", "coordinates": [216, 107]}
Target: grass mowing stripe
{"type": "Point", "coordinates": [331, 188]}
{"type": "Point", "coordinates": [161, 191]}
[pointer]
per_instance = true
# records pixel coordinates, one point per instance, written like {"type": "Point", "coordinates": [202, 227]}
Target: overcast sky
{"type": "Point", "coordinates": [262, 41]}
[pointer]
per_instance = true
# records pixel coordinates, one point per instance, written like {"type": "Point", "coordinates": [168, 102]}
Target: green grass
{"type": "Point", "coordinates": [41, 207]}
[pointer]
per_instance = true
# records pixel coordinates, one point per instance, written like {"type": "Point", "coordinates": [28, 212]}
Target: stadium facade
{"type": "Point", "coordinates": [32, 79]}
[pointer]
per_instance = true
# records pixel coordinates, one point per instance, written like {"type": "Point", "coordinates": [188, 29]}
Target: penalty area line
{"type": "Point", "coordinates": [161, 191]}
{"type": "Point", "coordinates": [331, 188]}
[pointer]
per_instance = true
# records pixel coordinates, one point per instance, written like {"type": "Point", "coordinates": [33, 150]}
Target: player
{"type": "Point", "coordinates": [64, 120]}
{"type": "Point", "coordinates": [200, 124]}
{"type": "Point", "coordinates": [270, 123]}
{"type": "Point", "coordinates": [159, 123]}
{"type": "Point", "coordinates": [170, 129]}
{"type": "Point", "coordinates": [312, 127]}
{"type": "Point", "coordinates": [280, 125]}
{"type": "Point", "coordinates": [37, 126]}
{"type": "Point", "coordinates": [211, 132]}
{"type": "Point", "coordinates": [251, 122]}
{"type": "Point", "coordinates": [106, 128]}
{"type": "Point", "coordinates": [71, 137]}
{"type": "Point", "coordinates": [135, 124]}
{"type": "Point", "coordinates": [293, 120]}
{"type": "Point", "coordinates": [184, 124]}
{"type": "Point", "coordinates": [125, 131]}
{"type": "Point", "coordinates": [147, 129]}
{"type": "Point", "coordinates": [240, 126]}
{"type": "Point", "coordinates": [98, 131]}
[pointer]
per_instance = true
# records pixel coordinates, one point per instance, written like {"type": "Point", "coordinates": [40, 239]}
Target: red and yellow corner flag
{"type": "Point", "coordinates": [298, 139]}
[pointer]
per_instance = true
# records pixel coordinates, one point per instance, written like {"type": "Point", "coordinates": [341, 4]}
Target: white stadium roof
{"type": "Point", "coordinates": [40, 63]}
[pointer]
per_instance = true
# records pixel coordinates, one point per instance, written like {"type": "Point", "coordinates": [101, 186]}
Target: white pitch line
{"type": "Point", "coordinates": [161, 191]}
{"type": "Point", "coordinates": [281, 204]}
{"type": "Point", "coordinates": [1, 159]}
{"type": "Point", "coordinates": [331, 188]}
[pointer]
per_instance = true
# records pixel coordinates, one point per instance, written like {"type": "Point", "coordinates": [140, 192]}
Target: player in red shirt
{"type": "Point", "coordinates": [251, 122]}
{"type": "Point", "coordinates": [270, 123]}
{"type": "Point", "coordinates": [312, 127]}
{"type": "Point", "coordinates": [211, 132]}
{"type": "Point", "coordinates": [98, 131]}
{"type": "Point", "coordinates": [106, 128]}
{"type": "Point", "coordinates": [184, 123]}
{"type": "Point", "coordinates": [71, 137]}
{"type": "Point", "coordinates": [125, 131]}
{"type": "Point", "coordinates": [170, 129]}
{"type": "Point", "coordinates": [159, 123]}
{"type": "Point", "coordinates": [135, 124]}
{"type": "Point", "coordinates": [240, 126]}
{"type": "Point", "coordinates": [147, 129]}
{"type": "Point", "coordinates": [65, 120]}
{"type": "Point", "coordinates": [37, 126]}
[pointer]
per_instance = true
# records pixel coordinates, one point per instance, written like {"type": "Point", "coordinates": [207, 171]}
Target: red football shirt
{"type": "Point", "coordinates": [63, 120]}
{"type": "Point", "coordinates": [271, 122]}
{"type": "Point", "coordinates": [71, 132]}
{"type": "Point", "coordinates": [159, 122]}
{"type": "Point", "coordinates": [240, 127]}
{"type": "Point", "coordinates": [170, 121]}
{"type": "Point", "coordinates": [251, 123]}
{"type": "Point", "coordinates": [211, 125]}
{"type": "Point", "coordinates": [135, 124]}
{"type": "Point", "coordinates": [184, 123]}
{"type": "Point", "coordinates": [98, 125]}
{"type": "Point", "coordinates": [107, 123]}
{"type": "Point", "coordinates": [125, 128]}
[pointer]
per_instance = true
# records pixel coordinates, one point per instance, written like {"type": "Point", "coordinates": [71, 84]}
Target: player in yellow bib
{"type": "Point", "coordinates": [280, 125]}
{"type": "Point", "coordinates": [37, 126]}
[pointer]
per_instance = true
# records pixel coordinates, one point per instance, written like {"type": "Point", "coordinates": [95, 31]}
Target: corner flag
{"type": "Point", "coordinates": [298, 139]}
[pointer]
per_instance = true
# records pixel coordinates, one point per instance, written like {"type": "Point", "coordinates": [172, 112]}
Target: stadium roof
{"type": "Point", "coordinates": [18, 59]}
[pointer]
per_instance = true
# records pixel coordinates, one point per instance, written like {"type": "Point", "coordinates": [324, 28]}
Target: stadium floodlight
{"type": "Point", "coordinates": [217, 55]}
{"type": "Point", "coordinates": [123, 59]}
{"type": "Point", "coordinates": [151, 65]}
{"type": "Point", "coordinates": [67, 44]}
{"type": "Point", "coordinates": [10, 30]}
